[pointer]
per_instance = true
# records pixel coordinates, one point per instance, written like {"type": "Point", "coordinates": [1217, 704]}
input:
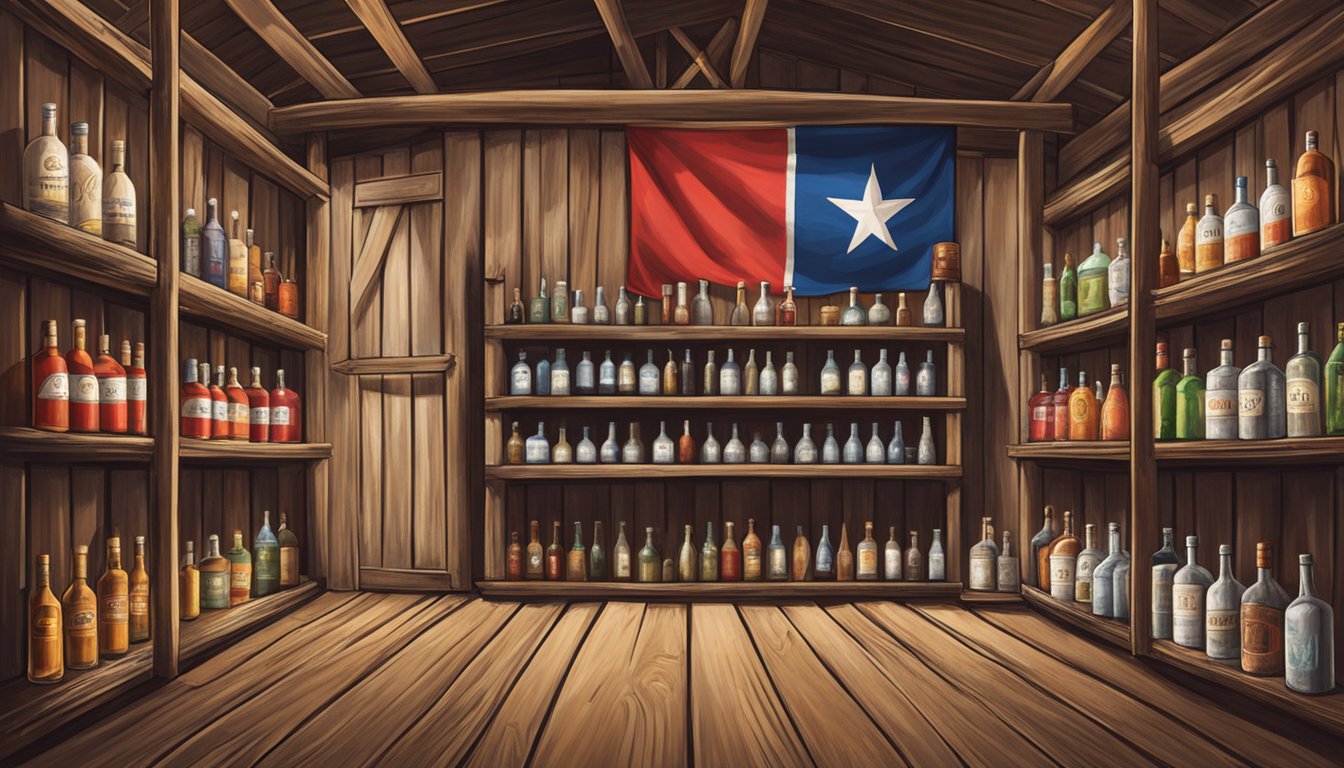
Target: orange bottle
{"type": "Point", "coordinates": [1115, 411]}
{"type": "Point", "coordinates": [1185, 243]}
{"type": "Point", "coordinates": [137, 387]}
{"type": "Point", "coordinates": [83, 385]}
{"type": "Point", "coordinates": [1082, 411]}
{"type": "Point", "coordinates": [286, 413]}
{"type": "Point", "coordinates": [1313, 190]}
{"type": "Point", "coordinates": [220, 428]}
{"type": "Point", "coordinates": [259, 409]}
{"type": "Point", "coordinates": [51, 384]}
{"type": "Point", "coordinates": [239, 410]}
{"type": "Point", "coordinates": [1168, 270]}
{"type": "Point", "coordinates": [111, 388]}
{"type": "Point", "coordinates": [195, 413]}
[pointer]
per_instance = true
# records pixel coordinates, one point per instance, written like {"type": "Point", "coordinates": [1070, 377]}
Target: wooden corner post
{"type": "Point", "coordinates": [1030, 256]}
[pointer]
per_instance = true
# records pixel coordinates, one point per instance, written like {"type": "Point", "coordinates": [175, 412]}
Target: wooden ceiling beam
{"type": "Point", "coordinates": [263, 18]}
{"type": "Point", "coordinates": [613, 16]}
{"type": "Point", "coordinates": [715, 51]}
{"type": "Point", "coordinates": [1075, 57]}
{"type": "Point", "coordinates": [385, 29]}
{"type": "Point", "coordinates": [135, 17]}
{"type": "Point", "coordinates": [652, 107]}
{"type": "Point", "coordinates": [698, 58]}
{"type": "Point", "coordinates": [752, 16]}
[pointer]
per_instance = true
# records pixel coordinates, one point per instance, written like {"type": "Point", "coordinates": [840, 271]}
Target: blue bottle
{"type": "Point", "coordinates": [214, 247]}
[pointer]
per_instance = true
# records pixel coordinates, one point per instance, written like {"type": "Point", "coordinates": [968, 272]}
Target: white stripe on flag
{"type": "Point", "coordinates": [788, 212]}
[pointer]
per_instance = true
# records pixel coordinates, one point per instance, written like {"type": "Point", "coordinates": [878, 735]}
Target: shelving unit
{"type": "Point", "coordinates": [38, 444]}
{"type": "Point", "coordinates": [720, 403]}
{"type": "Point", "coordinates": [37, 244]}
{"type": "Point", "coordinates": [719, 590]}
{"type": "Point", "coordinates": [555, 472]}
{"type": "Point", "coordinates": [549, 334]}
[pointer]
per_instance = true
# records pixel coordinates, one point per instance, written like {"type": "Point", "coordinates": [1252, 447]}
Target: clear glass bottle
{"type": "Point", "coordinates": [1009, 578]}
{"type": "Point", "coordinates": [649, 376]}
{"type": "Point", "coordinates": [984, 558]}
{"type": "Point", "coordinates": [805, 452]}
{"type": "Point", "coordinates": [926, 379]}
{"type": "Point", "coordinates": [601, 314]}
{"type": "Point", "coordinates": [688, 560]}
{"type": "Point", "coordinates": [758, 452]}
{"type": "Point", "coordinates": [1120, 587]}
{"type": "Point", "coordinates": [1103, 585]}
{"type": "Point", "coordinates": [879, 313]}
{"type": "Point", "coordinates": [1241, 227]}
{"type": "Point", "coordinates": [880, 384]}
{"type": "Point", "coordinates": [1261, 397]}
{"type": "Point", "coordinates": [633, 450]}
{"type": "Point", "coordinates": [830, 376]}
{"type": "Point", "coordinates": [1309, 637]}
{"type": "Point", "coordinates": [730, 376]}
{"type": "Point", "coordinates": [788, 376]}
{"type": "Point", "coordinates": [856, 382]}
{"type": "Point", "coordinates": [934, 316]}
{"type": "Point", "coordinates": [1190, 399]}
{"type": "Point", "coordinates": [560, 303]}
{"type": "Point", "coordinates": [585, 452]}
{"type": "Point", "coordinates": [830, 448]}
{"type": "Point", "coordinates": [560, 380]}
{"type": "Point", "coordinates": [1189, 590]}
{"type": "Point", "coordinates": [769, 380]}
{"type": "Point", "coordinates": [710, 380]}
{"type": "Point", "coordinates": [1165, 564]}
{"type": "Point", "coordinates": [776, 557]}
{"type": "Point", "coordinates": [734, 451]}
{"type": "Point", "coordinates": [578, 314]}
{"type": "Point", "coordinates": [214, 247]}
{"type": "Point", "coordinates": [1220, 397]}
{"type": "Point", "coordinates": [1262, 608]}
{"type": "Point", "coordinates": [266, 563]}
{"type": "Point", "coordinates": [610, 452]}
{"type": "Point", "coordinates": [891, 557]}
{"type": "Point", "coordinates": [621, 561]}
{"type": "Point", "coordinates": [876, 451]}
{"type": "Point", "coordinates": [902, 377]}
{"type": "Point", "coordinates": [854, 314]}
{"type": "Point", "coordinates": [585, 381]}
{"type": "Point", "coordinates": [702, 311]}
{"type": "Point", "coordinates": [597, 558]}
{"type": "Point", "coordinates": [664, 450]}
{"type": "Point", "coordinates": [1093, 274]}
{"type": "Point", "coordinates": [621, 315]}
{"type": "Point", "coordinates": [764, 311]}
{"type": "Point", "coordinates": [786, 312]}
{"type": "Point", "coordinates": [779, 449]}
{"type": "Point", "coordinates": [1209, 237]}
{"type": "Point", "coordinates": [709, 555]}
{"type": "Point", "coordinates": [914, 559]}
{"type": "Point", "coordinates": [1117, 275]}
{"type": "Point", "coordinates": [937, 558]}
{"type": "Point", "coordinates": [1302, 396]}
{"type": "Point", "coordinates": [751, 378]}
{"type": "Point", "coordinates": [1088, 560]}
{"type": "Point", "coordinates": [537, 448]}
{"type": "Point", "coordinates": [866, 555]}
{"type": "Point", "coordinates": [896, 447]}
{"type": "Point", "coordinates": [520, 378]}
{"type": "Point", "coordinates": [852, 453]}
{"type": "Point", "coordinates": [711, 452]}
{"type": "Point", "coordinates": [927, 454]}
{"type": "Point", "coordinates": [1222, 632]}
{"type": "Point", "coordinates": [1276, 226]}
{"type": "Point", "coordinates": [824, 564]}
{"type": "Point", "coordinates": [539, 306]}
{"type": "Point", "coordinates": [606, 375]}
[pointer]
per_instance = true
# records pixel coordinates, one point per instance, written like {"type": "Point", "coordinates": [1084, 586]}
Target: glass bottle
{"type": "Point", "coordinates": [1275, 221]}
{"type": "Point", "coordinates": [786, 312]}
{"type": "Point", "coordinates": [83, 383]}
{"type": "Point", "coordinates": [576, 565]}
{"type": "Point", "coordinates": [1164, 395]}
{"type": "Point", "coordinates": [1222, 635]}
{"type": "Point", "coordinates": [686, 376]}
{"type": "Point", "coordinates": [1241, 227]}
{"type": "Point", "coordinates": [854, 314]}
{"type": "Point", "coordinates": [914, 559]}
{"type": "Point", "coordinates": [702, 312]}
{"type": "Point", "coordinates": [730, 377]}
{"type": "Point", "coordinates": [46, 175]}
{"type": "Point", "coordinates": [1039, 542]}
{"type": "Point", "coordinates": [1309, 637]}
{"type": "Point", "coordinates": [112, 413]}
{"type": "Point", "coordinates": [758, 452]}
{"type": "Point", "coordinates": [621, 313]}
{"type": "Point", "coordinates": [289, 554]}
{"type": "Point", "coordinates": [1220, 397]}
{"type": "Point", "coordinates": [542, 378]}
{"type": "Point", "coordinates": [688, 563]}
{"type": "Point", "coordinates": [271, 284]}
{"type": "Point", "coordinates": [710, 382]}
{"type": "Point", "coordinates": [769, 379]}
{"type": "Point", "coordinates": [627, 380]}
{"type": "Point", "coordinates": [764, 312]}
{"type": "Point", "coordinates": [937, 558]}
{"type": "Point", "coordinates": [866, 555]}
{"type": "Point", "coordinates": [45, 657]}
{"type": "Point", "coordinates": [79, 615]}
{"type": "Point", "coordinates": [1103, 583]}
{"type": "Point", "coordinates": [824, 569]}
{"type": "Point", "coordinates": [113, 604]}
{"type": "Point", "coordinates": [1190, 397]}
{"type": "Point", "coordinates": [51, 383]}
{"type": "Point", "coordinates": [214, 570]}
{"type": "Point", "coordinates": [1262, 608]}
{"type": "Point", "coordinates": [779, 449]}
{"type": "Point", "coordinates": [537, 449]}
{"type": "Point", "coordinates": [1063, 562]}
{"type": "Point", "coordinates": [1088, 560]}
{"type": "Point", "coordinates": [610, 452]}
{"type": "Point", "coordinates": [1188, 594]}
{"type": "Point", "coordinates": [734, 451]}
{"type": "Point", "coordinates": [585, 452]}
{"type": "Point", "coordinates": [539, 308]}
{"type": "Point", "coordinates": [1068, 290]}
{"type": "Point", "coordinates": [1165, 563]}
{"type": "Point", "coordinates": [753, 564]}
{"type": "Point", "coordinates": [686, 444]}
{"type": "Point", "coordinates": [240, 571]}
{"type": "Point", "coordinates": [709, 556]}
{"type": "Point", "coordinates": [1049, 297]}
{"type": "Point", "coordinates": [214, 247]}
{"type": "Point", "coordinates": [856, 382]}
{"type": "Point", "coordinates": [520, 377]}
{"type": "Point", "coordinates": [1009, 579]}
{"type": "Point", "coordinates": [641, 312]}
{"type": "Point", "coordinates": [896, 447]}
{"type": "Point", "coordinates": [710, 451]}
{"type": "Point", "coordinates": [620, 556]}
{"type": "Point", "coordinates": [927, 454]}
{"type": "Point", "coordinates": [514, 450]}
{"type": "Point", "coordinates": [891, 557]}
{"type": "Point", "coordinates": [237, 269]}
{"type": "Point", "coordinates": [560, 303]}
{"type": "Point", "coordinates": [901, 377]}
{"type": "Point", "coordinates": [729, 555]}
{"type": "Point", "coordinates": [879, 313]}
{"type": "Point", "coordinates": [1117, 275]}
{"type": "Point", "coordinates": [649, 376]}
{"type": "Point", "coordinates": [1334, 386]}
{"type": "Point", "coordinates": [259, 409]}
{"type": "Point", "coordinates": [751, 379]}
{"type": "Point", "coordinates": [667, 306]}
{"type": "Point", "coordinates": [1261, 398]}
{"type": "Point", "coordinates": [852, 452]}
{"type": "Point", "coordinates": [563, 452]}
{"type": "Point", "coordinates": [555, 555]}
{"type": "Point", "coordinates": [585, 380]}
{"type": "Point", "coordinates": [601, 314]}
{"type": "Point", "coordinates": [788, 376]}
{"type": "Point", "coordinates": [86, 188]}
{"type": "Point", "coordinates": [1060, 406]}
{"type": "Point", "coordinates": [1303, 387]}
{"type": "Point", "coordinates": [805, 452]}
{"type": "Point", "coordinates": [776, 557]}
{"type": "Point", "coordinates": [650, 562]}
{"type": "Point", "coordinates": [1209, 237]}
{"type": "Point", "coordinates": [830, 376]}
{"type": "Point", "coordinates": [597, 558]}
{"type": "Point", "coordinates": [188, 591]}
{"type": "Point", "coordinates": [560, 381]}
{"type": "Point", "coordinates": [876, 451]}
{"type": "Point", "coordinates": [1082, 411]}
{"type": "Point", "coordinates": [740, 315]}
{"type": "Point", "coordinates": [1092, 282]}
{"type": "Point", "coordinates": [681, 313]}
{"type": "Point", "coordinates": [830, 448]}
{"type": "Point", "coordinates": [984, 558]}
{"type": "Point", "coordinates": [1168, 272]}
{"type": "Point", "coordinates": [1042, 421]}
{"type": "Point", "coordinates": [633, 450]}
{"type": "Point", "coordinates": [904, 317]}
{"type": "Point", "coordinates": [1313, 189]}
{"type": "Point", "coordinates": [880, 376]}
{"type": "Point", "coordinates": [266, 566]}
{"type": "Point", "coordinates": [513, 559]}
{"type": "Point", "coordinates": [1120, 586]}
{"type": "Point", "coordinates": [933, 307]}
{"type": "Point", "coordinates": [579, 314]}
{"type": "Point", "coordinates": [670, 386]}
{"type": "Point", "coordinates": [926, 379]}
{"type": "Point", "coordinates": [119, 210]}
{"type": "Point", "coordinates": [800, 568]}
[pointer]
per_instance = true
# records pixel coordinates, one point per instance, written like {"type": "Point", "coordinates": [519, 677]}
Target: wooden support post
{"type": "Point", "coordinates": [1030, 213]}
{"type": "Point", "coordinates": [1145, 234]}
{"type": "Point", "coordinates": [317, 366]}
{"type": "Point", "coordinates": [954, 437]}
{"type": "Point", "coordinates": [165, 196]}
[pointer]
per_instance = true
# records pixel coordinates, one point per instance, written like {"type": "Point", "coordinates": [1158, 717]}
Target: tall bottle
{"type": "Point", "coordinates": [779, 448]}
{"type": "Point", "coordinates": [1222, 635]}
{"type": "Point", "coordinates": [1060, 406]}
{"type": "Point", "coordinates": [214, 247]}
{"type": "Point", "coordinates": [560, 380]}
{"type": "Point", "coordinates": [788, 376]}
{"type": "Point", "coordinates": [240, 412]}
{"type": "Point", "coordinates": [1063, 562]}
{"type": "Point", "coordinates": [1209, 254]}
{"type": "Point", "coordinates": [1334, 386]}
{"type": "Point", "coordinates": [286, 412]}
{"type": "Point", "coordinates": [258, 409]}
{"type": "Point", "coordinates": [937, 558]}
{"type": "Point", "coordinates": [763, 313]}
{"type": "Point", "coordinates": [1185, 242]}
{"type": "Point", "coordinates": [289, 554]}
{"type": "Point", "coordinates": [926, 378]}
{"type": "Point", "coordinates": [1302, 396]}
{"type": "Point", "coordinates": [866, 555]}
{"type": "Point", "coordinates": [1068, 290]}
{"type": "Point", "coordinates": [1309, 637]}
{"type": "Point", "coordinates": [914, 559]}
{"type": "Point", "coordinates": [119, 214]}
{"type": "Point", "coordinates": [240, 571]}
{"type": "Point", "coordinates": [83, 384]}
{"type": "Point", "coordinates": [1117, 275]}
{"type": "Point", "coordinates": [237, 281]}
{"type": "Point", "coordinates": [1313, 190]}
{"type": "Point", "coordinates": [1188, 593]}
{"type": "Point", "coordinates": [709, 556]}
{"type": "Point", "coordinates": [1168, 271]}
{"type": "Point", "coordinates": [650, 564]}
{"type": "Point", "coordinates": [266, 568]}
{"type": "Point", "coordinates": [934, 316]}
{"type": "Point", "coordinates": [113, 604]}
{"type": "Point", "coordinates": [1165, 563]}
{"type": "Point", "coordinates": [984, 558]}
{"type": "Point", "coordinates": [112, 416]}
{"type": "Point", "coordinates": [51, 383]}
{"type": "Point", "coordinates": [1276, 226]}
{"type": "Point", "coordinates": [1261, 398]}
{"type": "Point", "coordinates": [219, 402]}
{"type": "Point", "coordinates": [576, 565]}
{"type": "Point", "coordinates": [880, 378]}
{"type": "Point", "coordinates": [1220, 397]}
{"type": "Point", "coordinates": [688, 563]}
{"type": "Point", "coordinates": [1241, 227]}
{"type": "Point", "coordinates": [46, 172]}
{"type": "Point", "coordinates": [670, 377]}
{"type": "Point", "coordinates": [1115, 411]}
{"type": "Point", "coordinates": [800, 567]}
{"type": "Point", "coordinates": [753, 563]}
{"type": "Point", "coordinates": [730, 376]}
{"type": "Point", "coordinates": [824, 570]}
{"type": "Point", "coordinates": [1039, 541]}
{"type": "Point", "coordinates": [830, 376]}
{"type": "Point", "coordinates": [927, 454]}
{"type": "Point", "coordinates": [45, 658]}
{"type": "Point", "coordinates": [270, 284]}
{"type": "Point", "coordinates": [1088, 560]}
{"type": "Point", "coordinates": [730, 555]}
{"type": "Point", "coordinates": [597, 556]}
{"type": "Point", "coordinates": [776, 557]}
{"type": "Point", "coordinates": [555, 555]}
{"type": "Point", "coordinates": [1190, 396]}
{"type": "Point", "coordinates": [875, 452]}
{"type": "Point", "coordinates": [79, 616]}
{"type": "Point", "coordinates": [214, 570]}
{"type": "Point", "coordinates": [711, 452]}
{"type": "Point", "coordinates": [1164, 395]}
{"type": "Point", "coordinates": [664, 450]}
{"type": "Point", "coordinates": [1103, 585]}
{"type": "Point", "coordinates": [892, 561]}
{"type": "Point", "coordinates": [86, 184]}
{"type": "Point", "coordinates": [1120, 586]}
{"type": "Point", "coordinates": [621, 561]}
{"type": "Point", "coordinates": [1082, 411]}
{"type": "Point", "coordinates": [896, 448]}
{"type": "Point", "coordinates": [1093, 294]}
{"type": "Point", "coordinates": [768, 384]}
{"type": "Point", "coordinates": [1009, 578]}
{"type": "Point", "coordinates": [1049, 297]}
{"type": "Point", "coordinates": [255, 274]}
{"type": "Point", "coordinates": [189, 585]}
{"type": "Point", "coordinates": [1262, 608]}
{"type": "Point", "coordinates": [560, 303]}
{"type": "Point", "coordinates": [138, 595]}
{"type": "Point", "coordinates": [856, 380]}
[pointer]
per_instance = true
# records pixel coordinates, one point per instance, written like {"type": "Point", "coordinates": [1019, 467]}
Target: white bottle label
{"type": "Point", "coordinates": [1220, 404]}
{"type": "Point", "coordinates": [84, 388]}
{"type": "Point", "coordinates": [1252, 402]}
{"type": "Point", "coordinates": [982, 572]}
{"type": "Point", "coordinates": [220, 410]}
{"type": "Point", "coordinates": [1187, 609]}
{"type": "Point", "coordinates": [522, 382]}
{"type": "Point", "coordinates": [260, 415]}
{"type": "Point", "coordinates": [112, 389]}
{"type": "Point", "coordinates": [136, 388]}
{"type": "Point", "coordinates": [1062, 572]}
{"type": "Point", "coordinates": [1040, 413]}
{"type": "Point", "coordinates": [238, 413]}
{"type": "Point", "coordinates": [622, 564]}
{"type": "Point", "coordinates": [1241, 222]}
{"type": "Point", "coordinates": [830, 382]}
{"type": "Point", "coordinates": [1274, 205]}
{"type": "Point", "coordinates": [662, 452]}
{"type": "Point", "coordinates": [1162, 576]}
{"type": "Point", "coordinates": [55, 387]}
{"type": "Point", "coordinates": [858, 383]}
{"type": "Point", "coordinates": [196, 408]}
{"type": "Point", "coordinates": [1302, 395]}
{"type": "Point", "coordinates": [280, 416]}
{"type": "Point", "coordinates": [559, 382]}
{"type": "Point", "coordinates": [1210, 232]}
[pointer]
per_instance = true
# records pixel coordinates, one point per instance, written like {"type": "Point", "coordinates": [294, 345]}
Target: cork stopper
{"type": "Point", "coordinates": [1191, 209]}
{"type": "Point", "coordinates": [1226, 344]}
{"type": "Point", "coordinates": [125, 352]}
{"type": "Point", "coordinates": [105, 343]}
{"type": "Point", "coordinates": [1192, 541]}
{"type": "Point", "coordinates": [1163, 348]}
{"type": "Point", "coordinates": [1304, 327]}
{"type": "Point", "coordinates": [1211, 201]}
{"type": "Point", "coordinates": [139, 354]}
{"type": "Point", "coordinates": [79, 334]}
{"type": "Point", "coordinates": [1266, 341]}
{"type": "Point", "coordinates": [1264, 554]}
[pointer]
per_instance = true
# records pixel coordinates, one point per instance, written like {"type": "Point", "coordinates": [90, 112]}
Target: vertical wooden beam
{"type": "Point", "coordinates": [613, 16]}
{"type": "Point", "coordinates": [752, 15]}
{"type": "Point", "coordinates": [1145, 235]}
{"type": "Point", "coordinates": [1030, 224]}
{"type": "Point", "coordinates": [165, 196]}
{"type": "Point", "coordinates": [317, 362]}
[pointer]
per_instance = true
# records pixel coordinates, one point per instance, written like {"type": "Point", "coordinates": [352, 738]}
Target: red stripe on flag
{"type": "Point", "coordinates": [706, 204]}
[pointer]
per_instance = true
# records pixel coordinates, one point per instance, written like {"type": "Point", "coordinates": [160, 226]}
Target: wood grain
{"type": "Point", "coordinates": [230, 451]}
{"type": "Point", "coordinates": [752, 16]}
{"type": "Point", "coordinates": [632, 61]}
{"type": "Point", "coordinates": [368, 266]}
{"type": "Point", "coordinates": [216, 306]}
{"type": "Point", "coordinates": [715, 591]}
{"type": "Point", "coordinates": [400, 190]}
{"type": "Point", "coordinates": [380, 23]}
{"type": "Point", "coordinates": [554, 334]}
{"type": "Point", "coordinates": [293, 48]}
{"type": "Point", "coordinates": [215, 628]}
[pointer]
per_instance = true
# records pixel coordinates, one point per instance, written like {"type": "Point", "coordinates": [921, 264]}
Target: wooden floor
{"type": "Point", "coordinates": [402, 680]}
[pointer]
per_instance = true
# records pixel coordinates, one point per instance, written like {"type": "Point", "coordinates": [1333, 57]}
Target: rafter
{"type": "Point", "coordinates": [1056, 75]}
{"type": "Point", "coordinates": [715, 51]}
{"type": "Point", "coordinates": [613, 16]}
{"type": "Point", "coordinates": [385, 29]}
{"type": "Point", "coordinates": [752, 16]}
{"type": "Point", "coordinates": [135, 17]}
{"type": "Point", "coordinates": [263, 18]}
{"type": "Point", "coordinates": [698, 57]}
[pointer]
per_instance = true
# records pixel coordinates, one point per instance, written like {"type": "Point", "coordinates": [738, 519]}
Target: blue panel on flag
{"type": "Point", "coordinates": [851, 184]}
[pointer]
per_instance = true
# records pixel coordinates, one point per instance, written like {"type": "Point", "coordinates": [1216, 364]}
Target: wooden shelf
{"type": "Point", "coordinates": [33, 242]}
{"type": "Point", "coordinates": [554, 472]}
{"type": "Point", "coordinates": [1079, 616]}
{"type": "Point", "coordinates": [716, 402]}
{"type": "Point", "coordinates": [31, 711]}
{"type": "Point", "coordinates": [214, 627]}
{"type": "Point", "coordinates": [545, 333]}
{"type": "Point", "coordinates": [1325, 712]}
{"type": "Point", "coordinates": [1300, 263]}
{"type": "Point", "coordinates": [1076, 450]}
{"type": "Point", "coordinates": [1296, 450]}
{"type": "Point", "coordinates": [991, 598]}
{"type": "Point", "coordinates": [1099, 330]}
{"type": "Point", "coordinates": [28, 443]}
{"type": "Point", "coordinates": [215, 306]}
{"type": "Point", "coordinates": [239, 451]}
{"type": "Point", "coordinates": [719, 590]}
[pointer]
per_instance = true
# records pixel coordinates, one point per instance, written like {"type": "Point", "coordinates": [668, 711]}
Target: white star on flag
{"type": "Point", "coordinates": [871, 213]}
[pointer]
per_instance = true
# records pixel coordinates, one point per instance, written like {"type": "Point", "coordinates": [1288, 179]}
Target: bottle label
{"type": "Point", "coordinates": [858, 382]}
{"type": "Point", "coordinates": [789, 381]}
{"type": "Point", "coordinates": [219, 410]}
{"type": "Point", "coordinates": [982, 571]}
{"type": "Point", "coordinates": [83, 388]}
{"type": "Point", "coordinates": [119, 210]}
{"type": "Point", "coordinates": [115, 609]}
{"type": "Point", "coordinates": [1008, 574]}
{"type": "Point", "coordinates": [280, 416]}
{"type": "Point", "coordinates": [1162, 584]}
{"type": "Point", "coordinates": [1240, 223]}
{"type": "Point", "coordinates": [522, 382]}
{"type": "Point", "coordinates": [240, 578]}
{"type": "Point", "coordinates": [289, 566]}
{"type": "Point", "coordinates": [197, 408]}
{"type": "Point", "coordinates": [47, 621]}
{"type": "Point", "coordinates": [867, 565]}
{"type": "Point", "coordinates": [1062, 569]}
{"type": "Point", "coordinates": [559, 382]}
{"type": "Point", "coordinates": [1082, 589]}
{"type": "Point", "coordinates": [891, 564]}
{"type": "Point", "coordinates": [778, 563]}
{"type": "Point", "coordinates": [139, 601]}
{"type": "Point", "coordinates": [662, 452]}
{"type": "Point", "coordinates": [260, 415]}
{"type": "Point", "coordinates": [1274, 205]}
{"type": "Point", "coordinates": [751, 563]}
{"type": "Point", "coordinates": [1311, 204]}
{"type": "Point", "coordinates": [214, 589]}
{"type": "Point", "coordinates": [830, 382]}
{"type": "Point", "coordinates": [137, 388]}
{"type": "Point", "coordinates": [238, 413]}
{"type": "Point", "coordinates": [1187, 603]}
{"type": "Point", "coordinates": [1251, 402]}
{"type": "Point", "coordinates": [112, 389]}
{"type": "Point", "coordinates": [1261, 638]}
{"type": "Point", "coordinates": [1040, 413]}
{"type": "Point", "coordinates": [622, 565]}
{"type": "Point", "coordinates": [1301, 649]}
{"type": "Point", "coordinates": [83, 623]}
{"type": "Point", "coordinates": [730, 382]}
{"type": "Point", "coordinates": [1220, 404]}
{"type": "Point", "coordinates": [55, 387]}
{"type": "Point", "coordinates": [1302, 395]}
{"type": "Point", "coordinates": [1221, 633]}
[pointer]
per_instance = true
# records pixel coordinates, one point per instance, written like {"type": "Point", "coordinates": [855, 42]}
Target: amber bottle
{"type": "Point", "coordinates": [555, 555]}
{"type": "Point", "coordinates": [686, 444]}
{"type": "Point", "coordinates": [239, 408]}
{"type": "Point", "coordinates": [576, 561]}
{"type": "Point", "coordinates": [513, 561]}
{"type": "Point", "coordinates": [189, 586]}
{"type": "Point", "coordinates": [515, 446]}
{"type": "Point", "coordinates": [270, 278]}
{"type": "Point", "coordinates": [220, 428]}
{"type": "Point", "coordinates": [1168, 270]}
{"type": "Point", "coordinates": [844, 556]}
{"type": "Point", "coordinates": [1082, 411]}
{"type": "Point", "coordinates": [1115, 411]}
{"type": "Point", "coordinates": [1313, 190]}
{"type": "Point", "coordinates": [752, 561]}
{"type": "Point", "coordinates": [79, 611]}
{"type": "Point", "coordinates": [138, 595]}
{"type": "Point", "coordinates": [1185, 243]}
{"type": "Point", "coordinates": [113, 605]}
{"type": "Point", "coordinates": [45, 664]}
{"type": "Point", "coordinates": [801, 564]}
{"type": "Point", "coordinates": [534, 568]}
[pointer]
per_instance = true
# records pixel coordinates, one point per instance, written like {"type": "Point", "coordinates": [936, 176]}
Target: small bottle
{"type": "Point", "coordinates": [555, 555]}
{"type": "Point", "coordinates": [622, 314]}
{"type": "Point", "coordinates": [984, 559]}
{"type": "Point", "coordinates": [240, 571]}
{"type": "Point", "coordinates": [1093, 276]}
{"type": "Point", "coordinates": [627, 380]}
{"type": "Point", "coordinates": [515, 314]}
{"type": "Point", "coordinates": [1040, 418]}
{"type": "Point", "coordinates": [585, 378]}
{"type": "Point", "coordinates": [610, 452]}
{"type": "Point", "coordinates": [880, 384]}
{"type": "Point", "coordinates": [734, 451]}
{"type": "Point", "coordinates": [786, 312]}
{"type": "Point", "coordinates": [741, 315]}
{"type": "Point", "coordinates": [688, 561]}
{"type": "Point", "coordinates": [891, 557]}
{"type": "Point", "coordinates": [576, 566]}
{"type": "Point", "coordinates": [534, 567]}
{"type": "Point", "coordinates": [112, 413]}
{"type": "Point", "coordinates": [1165, 563]}
{"type": "Point", "coordinates": [710, 381]}
{"type": "Point", "coordinates": [560, 380]}
{"type": "Point", "coordinates": [830, 449]}
{"type": "Point", "coordinates": [856, 382]}
{"type": "Point", "coordinates": [769, 378]}
{"type": "Point", "coordinates": [914, 559]}
{"type": "Point", "coordinates": [1087, 562]}
{"type": "Point", "coordinates": [562, 452]}
{"type": "Point", "coordinates": [777, 560]}
{"type": "Point", "coordinates": [865, 559]}
{"type": "Point", "coordinates": [514, 450]}
{"type": "Point", "coordinates": [751, 380]}
{"type": "Point", "coordinates": [709, 556]}
{"type": "Point", "coordinates": [1114, 412]}
{"type": "Point", "coordinates": [1276, 226]}
{"type": "Point", "coordinates": [926, 379]}
{"type": "Point", "coordinates": [830, 376]}
{"type": "Point", "coordinates": [633, 450]}
{"type": "Point", "coordinates": [730, 556]}
{"type": "Point", "coordinates": [710, 451]}
{"type": "Point", "coordinates": [1168, 271]}
{"type": "Point", "coordinates": [266, 567]}
{"type": "Point", "coordinates": [1068, 290]}
{"type": "Point", "coordinates": [560, 303]}
{"type": "Point", "coordinates": [1313, 189]}
{"type": "Point", "coordinates": [597, 558]}
{"type": "Point", "coordinates": [879, 314]}
{"type": "Point", "coordinates": [903, 316]}
{"type": "Point", "coordinates": [119, 207]}
{"type": "Point", "coordinates": [601, 314]}
{"type": "Point", "coordinates": [779, 449]}
{"type": "Point", "coordinates": [876, 451]}
{"type": "Point", "coordinates": [220, 427]}
{"type": "Point", "coordinates": [578, 314]}
{"type": "Point", "coordinates": [113, 604]}
{"type": "Point", "coordinates": [513, 559]}
{"type": "Point", "coordinates": [664, 451]}
{"type": "Point", "coordinates": [606, 375]}
{"type": "Point", "coordinates": [1241, 227]}
{"type": "Point", "coordinates": [824, 570]}
{"type": "Point", "coordinates": [852, 453]}
{"type": "Point", "coordinates": [189, 585]}
{"type": "Point", "coordinates": [896, 448]}
{"type": "Point", "coordinates": [854, 314]}
{"type": "Point", "coordinates": [45, 653]}
{"type": "Point", "coordinates": [586, 451]}
{"type": "Point", "coordinates": [730, 377]}
{"type": "Point", "coordinates": [1117, 275]}
{"type": "Point", "coordinates": [788, 376]}
{"type": "Point", "coordinates": [240, 412]}
{"type": "Point", "coordinates": [620, 556]}
{"type": "Point", "coordinates": [902, 376]}
{"type": "Point", "coordinates": [702, 312]}
{"type": "Point", "coordinates": [271, 280]}
{"type": "Point", "coordinates": [1009, 579]}
{"type": "Point", "coordinates": [214, 247]}
{"type": "Point", "coordinates": [237, 281]}
{"type": "Point", "coordinates": [538, 448]}
{"type": "Point", "coordinates": [927, 454]}
{"type": "Point", "coordinates": [681, 313]}
{"type": "Point", "coordinates": [1209, 237]}
{"type": "Point", "coordinates": [805, 452]}
{"type": "Point", "coordinates": [214, 570]}
{"type": "Point", "coordinates": [1309, 637]}
{"type": "Point", "coordinates": [286, 412]}
{"type": "Point", "coordinates": [539, 307]}
{"type": "Point", "coordinates": [1049, 297]}
{"type": "Point", "coordinates": [933, 307]}
{"type": "Point", "coordinates": [650, 563]}
{"type": "Point", "coordinates": [763, 313]}
{"type": "Point", "coordinates": [86, 186]}
{"type": "Point", "coordinates": [666, 304]}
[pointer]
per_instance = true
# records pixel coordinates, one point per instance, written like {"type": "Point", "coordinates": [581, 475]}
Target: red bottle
{"type": "Point", "coordinates": [137, 386]}
{"type": "Point", "coordinates": [195, 404]}
{"type": "Point", "coordinates": [286, 414]}
{"type": "Point", "coordinates": [259, 409]}
{"type": "Point", "coordinates": [111, 388]}
{"type": "Point", "coordinates": [1042, 410]}
{"type": "Point", "coordinates": [220, 429]}
{"type": "Point", "coordinates": [51, 384]}
{"type": "Point", "coordinates": [730, 556]}
{"type": "Point", "coordinates": [239, 415]}
{"type": "Point", "coordinates": [1061, 406]}
{"type": "Point", "coordinates": [83, 385]}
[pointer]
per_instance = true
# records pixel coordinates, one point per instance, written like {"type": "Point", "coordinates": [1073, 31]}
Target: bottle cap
{"type": "Point", "coordinates": [1264, 554]}
{"type": "Point", "coordinates": [1191, 541]}
{"type": "Point", "coordinates": [49, 109]}
{"type": "Point", "coordinates": [1266, 341]}
{"type": "Point", "coordinates": [1211, 201]}
{"type": "Point", "coordinates": [79, 129]}
{"type": "Point", "coordinates": [1304, 559]}
{"type": "Point", "coordinates": [1115, 367]}
{"type": "Point", "coordinates": [1190, 208]}
{"type": "Point", "coordinates": [1227, 343]}
{"type": "Point", "coordinates": [1224, 549]}
{"type": "Point", "coordinates": [1241, 182]}
{"type": "Point", "coordinates": [1271, 164]}
{"type": "Point", "coordinates": [1303, 327]}
{"type": "Point", "coordinates": [83, 549]}
{"type": "Point", "coordinates": [191, 212]}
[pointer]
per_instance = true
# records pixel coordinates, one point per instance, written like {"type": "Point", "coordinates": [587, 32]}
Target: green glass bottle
{"type": "Point", "coordinates": [1093, 293]}
{"type": "Point", "coordinates": [650, 563]}
{"type": "Point", "coordinates": [1164, 396]}
{"type": "Point", "coordinates": [1189, 400]}
{"type": "Point", "coordinates": [1068, 290]}
{"type": "Point", "coordinates": [266, 565]}
{"type": "Point", "coordinates": [597, 557]}
{"type": "Point", "coordinates": [576, 561]}
{"type": "Point", "coordinates": [1334, 387]}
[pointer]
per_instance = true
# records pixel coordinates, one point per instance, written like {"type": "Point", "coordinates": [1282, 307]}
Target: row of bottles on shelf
{"type": "Point", "coordinates": [711, 562]}
{"type": "Point", "coordinates": [67, 185]}
{"type": "Point", "coordinates": [556, 308]}
{"type": "Point", "coordinates": [538, 449]}
{"type": "Point", "coordinates": [1073, 571]}
{"type": "Point", "coordinates": [78, 392]}
{"type": "Point", "coordinates": [220, 411]}
{"type": "Point", "coordinates": [730, 379]}
{"type": "Point", "coordinates": [1203, 244]}
{"type": "Point", "coordinates": [1080, 412]}
{"type": "Point", "coordinates": [993, 568]}
{"type": "Point", "coordinates": [85, 625]}
{"type": "Point", "coordinates": [235, 264]}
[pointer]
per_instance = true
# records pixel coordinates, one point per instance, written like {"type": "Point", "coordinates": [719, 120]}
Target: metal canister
{"type": "Point", "coordinates": [947, 261]}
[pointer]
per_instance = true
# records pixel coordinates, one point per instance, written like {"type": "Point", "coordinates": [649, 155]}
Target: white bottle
{"type": "Point", "coordinates": [1117, 275]}
{"type": "Point", "coordinates": [857, 382]}
{"type": "Point", "coordinates": [520, 378]}
{"type": "Point", "coordinates": [788, 376]}
{"type": "Point", "coordinates": [664, 450]}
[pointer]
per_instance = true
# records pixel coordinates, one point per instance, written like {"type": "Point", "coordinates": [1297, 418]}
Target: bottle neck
{"type": "Point", "coordinates": [1307, 579]}
{"type": "Point", "coordinates": [49, 124]}
{"type": "Point", "coordinates": [1303, 342]}
{"type": "Point", "coordinates": [1266, 354]}
{"type": "Point", "coordinates": [1224, 566]}
{"type": "Point", "coordinates": [1190, 555]}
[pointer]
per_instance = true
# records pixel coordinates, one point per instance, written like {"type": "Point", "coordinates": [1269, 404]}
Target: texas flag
{"type": "Point", "coordinates": [819, 208]}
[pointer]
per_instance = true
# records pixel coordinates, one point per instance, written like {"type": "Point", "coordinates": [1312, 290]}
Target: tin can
{"type": "Point", "coordinates": [830, 315]}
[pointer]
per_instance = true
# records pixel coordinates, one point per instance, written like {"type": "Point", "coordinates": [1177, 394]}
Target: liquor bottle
{"type": "Point", "coordinates": [289, 554]}
{"type": "Point", "coordinates": [1039, 542]}
{"type": "Point", "coordinates": [1220, 397]}
{"type": "Point", "coordinates": [286, 412]}
{"type": "Point", "coordinates": [927, 454]}
{"type": "Point", "coordinates": [585, 452]}
{"type": "Point", "coordinates": [119, 214]}
{"type": "Point", "coordinates": [1334, 386]}
{"type": "Point", "coordinates": [751, 381]}
{"type": "Point", "coordinates": [876, 451]}
{"type": "Point", "coordinates": [709, 556]}
{"type": "Point", "coordinates": [578, 314]}
{"type": "Point", "coordinates": [903, 315]}
{"type": "Point", "coordinates": [879, 314]}
{"type": "Point", "coordinates": [1049, 297]}
{"type": "Point", "coordinates": [866, 555]}
{"type": "Point", "coordinates": [537, 449]}
{"type": "Point", "coordinates": [648, 376]}
{"type": "Point", "coordinates": [854, 314]}
{"type": "Point", "coordinates": [560, 374]}
{"type": "Point", "coordinates": [45, 662]}
{"type": "Point", "coordinates": [669, 570]}
{"type": "Point", "coordinates": [555, 555]}
{"type": "Point", "coordinates": [926, 379]}
{"type": "Point", "coordinates": [734, 451]}
{"type": "Point", "coordinates": [1068, 290]}
{"type": "Point", "coordinates": [830, 376]}
{"type": "Point", "coordinates": [270, 283]}
{"type": "Point", "coordinates": [805, 451]}
{"type": "Point", "coordinates": [1309, 637]}
{"type": "Point", "coordinates": [214, 247]}
{"type": "Point", "coordinates": [1241, 227]}
{"type": "Point", "coordinates": [46, 172]}
{"type": "Point", "coordinates": [189, 586]}
{"type": "Point", "coordinates": [576, 565]}
{"type": "Point", "coordinates": [730, 377]}
{"type": "Point", "coordinates": [633, 450]}
{"type": "Point", "coordinates": [933, 307]}
{"type": "Point", "coordinates": [1042, 427]}
{"type": "Point", "coordinates": [289, 298]}
{"type": "Point", "coordinates": [786, 312]}
{"type": "Point", "coordinates": [258, 409]}
{"type": "Point", "coordinates": [1168, 272]}
{"type": "Point", "coordinates": [776, 560]}
{"type": "Point", "coordinates": [800, 568]}
{"type": "Point", "coordinates": [914, 560]}
{"type": "Point", "coordinates": [1164, 395]}
{"type": "Point", "coordinates": [666, 304]}
{"type": "Point", "coordinates": [83, 384]}
{"type": "Point", "coordinates": [1209, 237]}
{"type": "Point", "coordinates": [111, 379]}
{"type": "Point", "coordinates": [1060, 406]}
{"type": "Point", "coordinates": [1009, 579]}
{"type": "Point", "coordinates": [702, 312]}
{"type": "Point", "coordinates": [240, 571]}
{"type": "Point", "coordinates": [254, 270]}
{"type": "Point", "coordinates": [214, 577]}
{"type": "Point", "coordinates": [237, 282]}
{"type": "Point", "coordinates": [1275, 221]}
{"type": "Point", "coordinates": [620, 556]}
{"type": "Point", "coordinates": [562, 452]}
{"type": "Point", "coordinates": [856, 380]}
{"type": "Point", "coordinates": [220, 428]}
{"type": "Point", "coordinates": [681, 313]}
{"type": "Point", "coordinates": [601, 313]}
{"type": "Point", "coordinates": [685, 444]}
{"type": "Point", "coordinates": [769, 378]}
{"type": "Point", "coordinates": [896, 448]}
{"type": "Point", "coordinates": [1222, 636]}
{"type": "Point", "coordinates": [1313, 190]}
{"type": "Point", "coordinates": [710, 451]}
{"type": "Point", "coordinates": [891, 557]}
{"type": "Point", "coordinates": [740, 315]}
{"type": "Point", "coordinates": [824, 569]}
{"type": "Point", "coordinates": [240, 413]}
{"type": "Point", "coordinates": [1120, 586]}
{"type": "Point", "coordinates": [1262, 608]}
{"type": "Point", "coordinates": [627, 380]}
{"type": "Point", "coordinates": [622, 312]}
{"type": "Point", "coordinates": [610, 452]}
{"type": "Point", "coordinates": [830, 449]}
{"type": "Point", "coordinates": [113, 604]}
{"type": "Point", "coordinates": [533, 567]}
{"type": "Point", "coordinates": [86, 183]}
{"type": "Point", "coordinates": [606, 375]}
{"type": "Point", "coordinates": [51, 383]}
{"type": "Point", "coordinates": [844, 556]}
{"type": "Point", "coordinates": [1185, 242]}
{"type": "Point", "coordinates": [779, 449]}
{"type": "Point", "coordinates": [1088, 560]}
{"type": "Point", "coordinates": [79, 616]}
{"type": "Point", "coordinates": [710, 378]}
{"type": "Point", "coordinates": [763, 313]}
{"type": "Point", "coordinates": [1302, 377]}
{"type": "Point", "coordinates": [520, 376]}
{"type": "Point", "coordinates": [138, 595]}
{"type": "Point", "coordinates": [937, 559]}
{"type": "Point", "coordinates": [1190, 397]}
{"type": "Point", "coordinates": [688, 564]}
{"type": "Point", "coordinates": [664, 451]}
{"type": "Point", "coordinates": [1117, 275]}
{"type": "Point", "coordinates": [788, 376]}
{"type": "Point", "coordinates": [560, 302]}
{"type": "Point", "coordinates": [984, 557]}
{"type": "Point", "coordinates": [513, 559]}
{"type": "Point", "coordinates": [729, 556]}
{"type": "Point", "coordinates": [1103, 585]}
{"type": "Point", "coordinates": [1046, 573]}
{"type": "Point", "coordinates": [1082, 411]}
{"type": "Point", "coordinates": [1063, 562]}
{"type": "Point", "coordinates": [1093, 292]}
{"type": "Point", "coordinates": [266, 568]}
{"type": "Point", "coordinates": [1165, 563]}
{"type": "Point", "coordinates": [1261, 398]}
{"type": "Point", "coordinates": [687, 374]}
{"type": "Point", "coordinates": [197, 406]}
{"type": "Point", "coordinates": [1188, 593]}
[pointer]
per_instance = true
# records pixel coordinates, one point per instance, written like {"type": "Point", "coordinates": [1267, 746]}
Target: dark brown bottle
{"type": "Point", "coordinates": [534, 568]}
{"type": "Point", "coordinates": [515, 314]}
{"type": "Point", "coordinates": [800, 569]}
{"type": "Point", "coordinates": [555, 555]}
{"type": "Point", "coordinates": [686, 445]}
{"type": "Point", "coordinates": [844, 557]}
{"type": "Point", "coordinates": [514, 559]}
